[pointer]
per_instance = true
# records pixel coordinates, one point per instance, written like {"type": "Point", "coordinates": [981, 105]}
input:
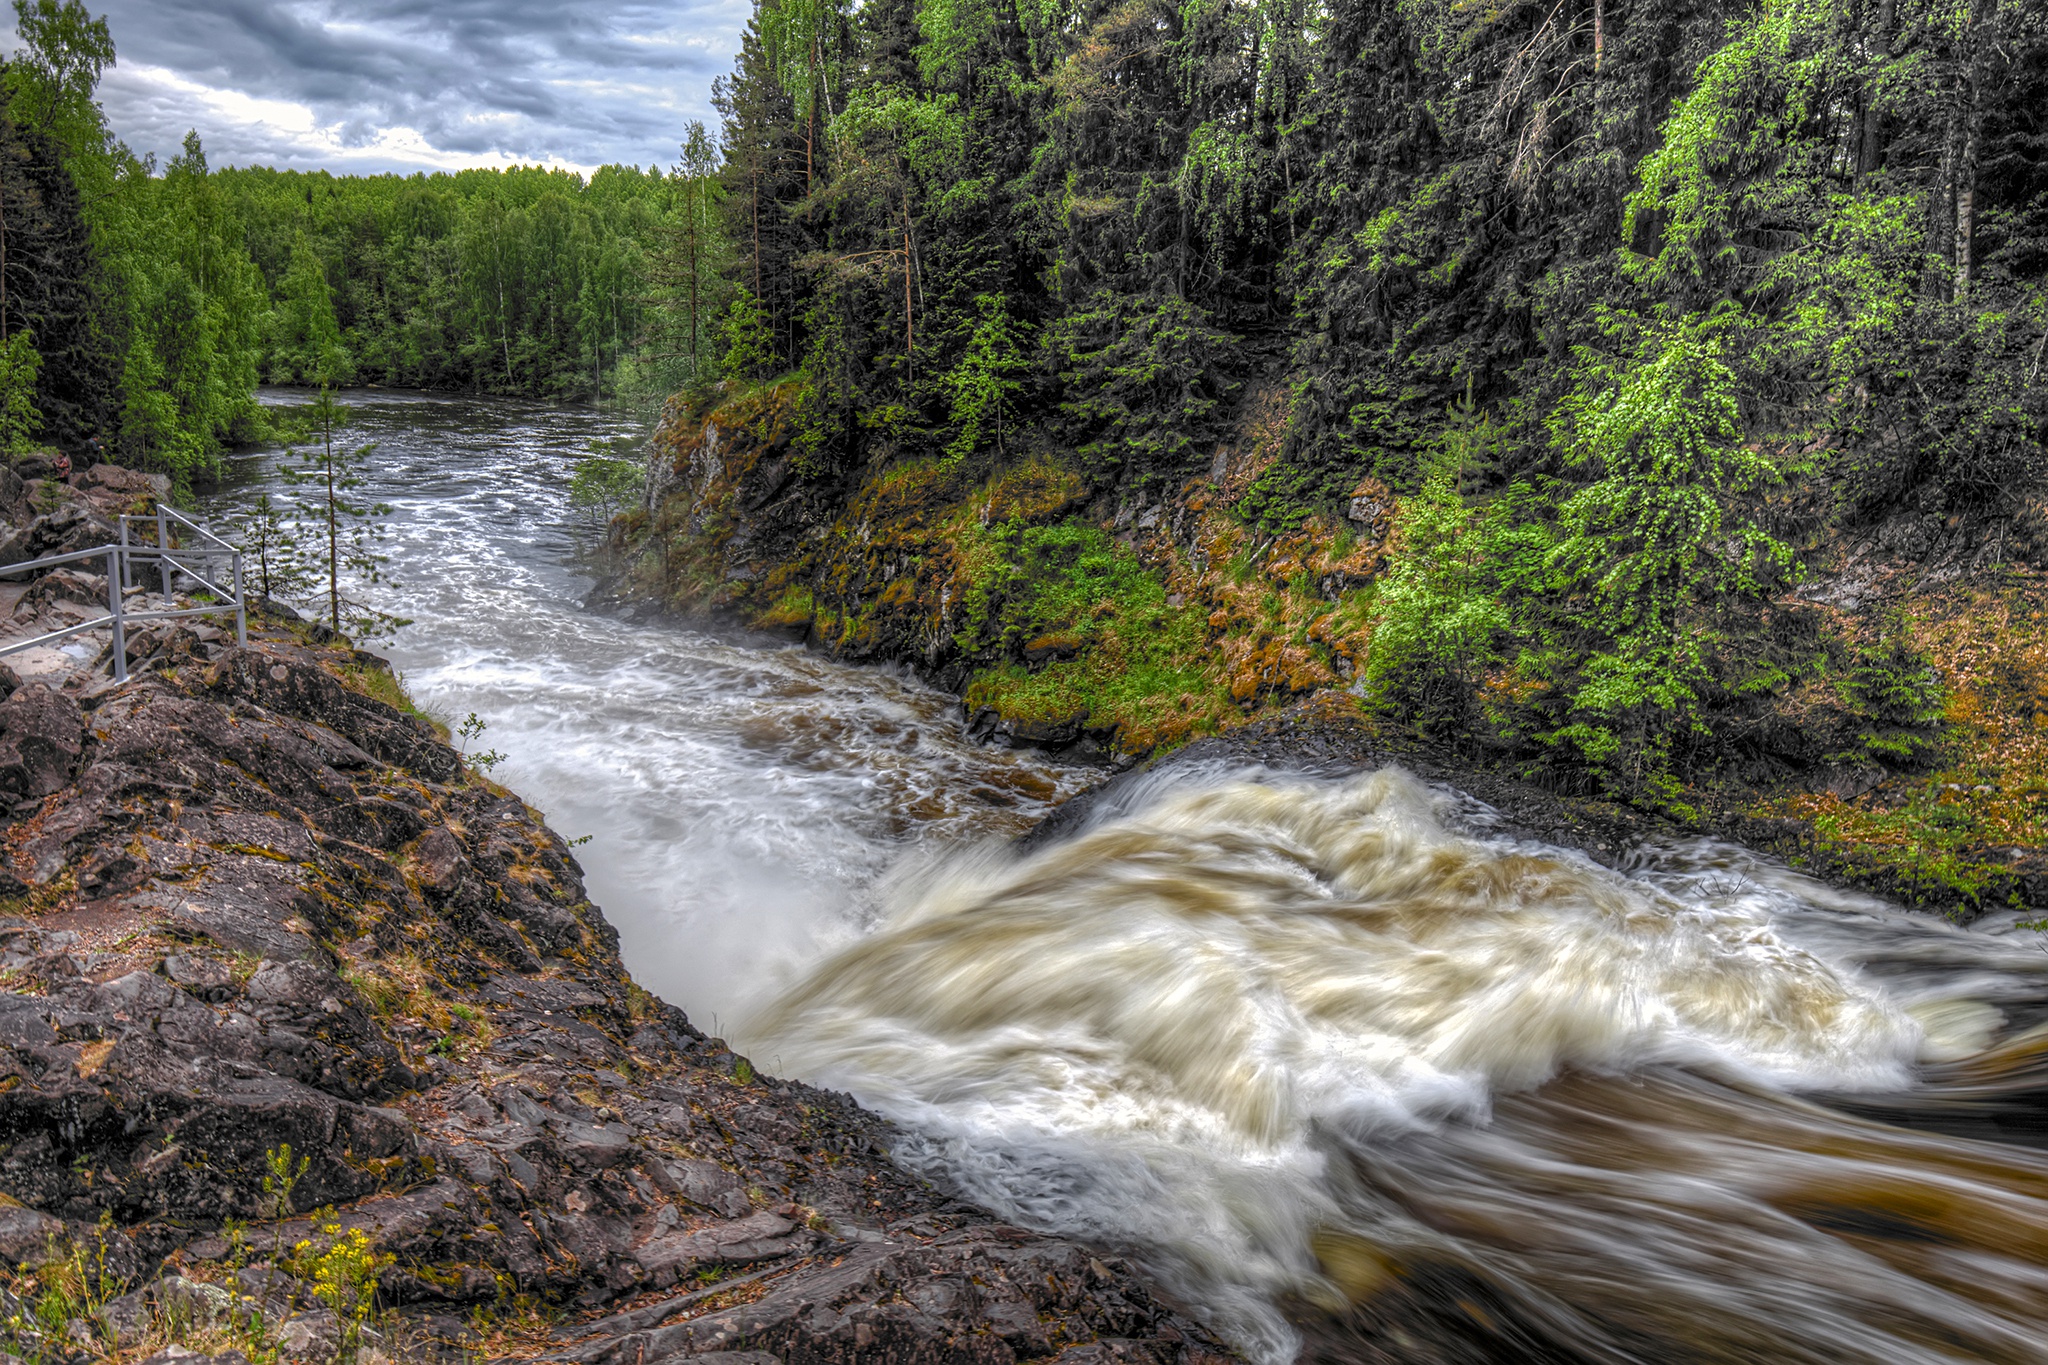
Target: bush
{"type": "Point", "coordinates": [602, 485]}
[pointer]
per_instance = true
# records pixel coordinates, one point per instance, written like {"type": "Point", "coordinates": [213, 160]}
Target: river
{"type": "Point", "coordinates": [740, 797]}
{"type": "Point", "coordinates": [1352, 1070]}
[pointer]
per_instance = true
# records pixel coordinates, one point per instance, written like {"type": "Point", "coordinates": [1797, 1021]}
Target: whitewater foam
{"type": "Point", "coordinates": [1136, 1035]}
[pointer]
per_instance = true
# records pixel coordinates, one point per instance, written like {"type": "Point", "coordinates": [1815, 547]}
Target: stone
{"type": "Point", "coordinates": [308, 693]}
{"type": "Point", "coordinates": [42, 733]}
{"type": "Point", "coordinates": [126, 1320]}
{"type": "Point", "coordinates": [190, 1302]}
{"type": "Point", "coordinates": [185, 1355]}
{"type": "Point", "coordinates": [709, 1185]}
{"type": "Point", "coordinates": [208, 978]}
{"type": "Point", "coordinates": [26, 1234]}
{"type": "Point", "coordinates": [590, 1146]}
{"type": "Point", "coordinates": [119, 480]}
{"type": "Point", "coordinates": [309, 1334]}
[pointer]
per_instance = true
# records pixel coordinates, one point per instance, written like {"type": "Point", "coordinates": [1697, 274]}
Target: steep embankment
{"type": "Point", "coordinates": [298, 1007]}
{"type": "Point", "coordinates": [1115, 619]}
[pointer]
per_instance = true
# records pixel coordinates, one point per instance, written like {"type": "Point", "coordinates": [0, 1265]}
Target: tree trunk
{"type": "Point", "coordinates": [1966, 208]}
{"type": "Point", "coordinates": [1870, 155]}
{"type": "Point", "coordinates": [909, 336]}
{"type": "Point", "coordinates": [1941, 213]}
{"type": "Point", "coordinates": [1977, 44]}
{"type": "Point", "coordinates": [1599, 33]}
{"type": "Point", "coordinates": [333, 537]}
{"type": "Point", "coordinates": [693, 279]}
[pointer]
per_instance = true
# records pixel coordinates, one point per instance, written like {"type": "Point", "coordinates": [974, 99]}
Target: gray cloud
{"type": "Point", "coordinates": [405, 84]}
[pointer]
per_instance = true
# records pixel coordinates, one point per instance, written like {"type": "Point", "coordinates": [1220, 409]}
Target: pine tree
{"type": "Point", "coordinates": [1654, 541]}
{"type": "Point", "coordinates": [276, 549]}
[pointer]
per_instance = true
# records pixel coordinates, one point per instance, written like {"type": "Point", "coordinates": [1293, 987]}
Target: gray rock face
{"type": "Point", "coordinates": [41, 736]}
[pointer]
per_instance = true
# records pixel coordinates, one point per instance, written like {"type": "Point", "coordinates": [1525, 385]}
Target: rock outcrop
{"type": "Point", "coordinates": [279, 969]}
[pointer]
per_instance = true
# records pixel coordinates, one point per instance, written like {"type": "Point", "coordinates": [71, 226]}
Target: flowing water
{"type": "Point", "coordinates": [739, 795]}
{"type": "Point", "coordinates": [1353, 1071]}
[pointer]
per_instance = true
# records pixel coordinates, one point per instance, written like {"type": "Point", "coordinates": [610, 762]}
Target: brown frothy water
{"type": "Point", "coordinates": [1364, 1081]}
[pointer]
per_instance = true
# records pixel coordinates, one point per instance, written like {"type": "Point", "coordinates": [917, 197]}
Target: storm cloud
{"type": "Point", "coordinates": [365, 85]}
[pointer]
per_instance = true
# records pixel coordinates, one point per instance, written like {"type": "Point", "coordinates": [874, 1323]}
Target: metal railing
{"type": "Point", "coordinates": [198, 561]}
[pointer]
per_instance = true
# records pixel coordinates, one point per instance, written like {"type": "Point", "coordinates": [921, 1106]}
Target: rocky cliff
{"type": "Point", "coordinates": [311, 1044]}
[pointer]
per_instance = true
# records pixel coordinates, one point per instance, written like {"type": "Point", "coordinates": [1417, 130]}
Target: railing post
{"type": "Point", "coordinates": [163, 561]}
{"type": "Point", "coordinates": [116, 564]}
{"type": "Point", "coordinates": [241, 605]}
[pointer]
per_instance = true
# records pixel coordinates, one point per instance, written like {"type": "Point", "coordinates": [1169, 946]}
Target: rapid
{"type": "Point", "coordinates": [738, 794]}
{"type": "Point", "coordinates": [1354, 1070]}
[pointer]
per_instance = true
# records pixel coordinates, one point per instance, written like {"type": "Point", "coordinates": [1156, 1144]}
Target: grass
{"type": "Point", "coordinates": [1951, 826]}
{"type": "Point", "coordinates": [402, 986]}
{"type": "Point", "coordinates": [1139, 665]}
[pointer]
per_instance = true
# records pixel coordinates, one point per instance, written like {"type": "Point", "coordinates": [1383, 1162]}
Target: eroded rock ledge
{"type": "Point", "coordinates": [256, 903]}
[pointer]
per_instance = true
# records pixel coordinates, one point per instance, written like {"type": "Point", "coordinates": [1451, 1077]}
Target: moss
{"type": "Point", "coordinates": [1944, 836]}
{"type": "Point", "coordinates": [793, 609]}
{"type": "Point", "coordinates": [1134, 664]}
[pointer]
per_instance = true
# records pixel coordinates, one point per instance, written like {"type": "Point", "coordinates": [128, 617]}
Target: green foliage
{"type": "Point", "coordinates": [1033, 580]}
{"type": "Point", "coordinates": [1654, 541]}
{"type": "Point", "coordinates": [59, 1292]}
{"type": "Point", "coordinates": [341, 531]}
{"type": "Point", "coordinates": [1897, 698]}
{"type": "Point", "coordinates": [749, 349]}
{"type": "Point", "coordinates": [985, 385]}
{"type": "Point", "coordinates": [305, 341]}
{"type": "Point", "coordinates": [1144, 382]}
{"type": "Point", "coordinates": [53, 77]}
{"type": "Point", "coordinates": [342, 1269]}
{"type": "Point", "coordinates": [602, 485]}
{"type": "Point", "coordinates": [280, 563]}
{"type": "Point", "coordinates": [472, 729]}
{"type": "Point", "coordinates": [1435, 617]}
{"type": "Point", "coordinates": [20, 364]}
{"type": "Point", "coordinates": [1071, 590]}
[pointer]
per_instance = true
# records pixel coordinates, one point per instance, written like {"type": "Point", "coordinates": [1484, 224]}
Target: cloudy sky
{"type": "Point", "coordinates": [374, 85]}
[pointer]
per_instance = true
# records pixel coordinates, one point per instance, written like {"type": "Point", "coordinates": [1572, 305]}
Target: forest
{"type": "Point", "coordinates": [142, 303]}
{"type": "Point", "coordinates": [1629, 304]}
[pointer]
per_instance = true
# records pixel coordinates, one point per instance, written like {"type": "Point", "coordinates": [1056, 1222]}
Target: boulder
{"type": "Point", "coordinates": [292, 687]}
{"type": "Point", "coordinates": [73, 526]}
{"type": "Point", "coordinates": [26, 1234]}
{"type": "Point", "coordinates": [77, 585]}
{"type": "Point", "coordinates": [119, 480]}
{"type": "Point", "coordinates": [41, 735]}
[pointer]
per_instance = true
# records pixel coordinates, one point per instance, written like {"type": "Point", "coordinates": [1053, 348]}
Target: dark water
{"type": "Point", "coordinates": [1355, 1075]}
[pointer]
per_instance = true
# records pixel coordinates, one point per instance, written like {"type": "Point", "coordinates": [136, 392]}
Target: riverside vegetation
{"type": "Point", "coordinates": [1644, 399]}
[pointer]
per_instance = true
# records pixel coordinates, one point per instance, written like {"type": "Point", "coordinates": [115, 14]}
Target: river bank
{"type": "Point", "coordinates": [1109, 622]}
{"type": "Point", "coordinates": [299, 1009]}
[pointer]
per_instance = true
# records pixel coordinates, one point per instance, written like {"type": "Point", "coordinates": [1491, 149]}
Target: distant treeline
{"type": "Point", "coordinates": [145, 302]}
